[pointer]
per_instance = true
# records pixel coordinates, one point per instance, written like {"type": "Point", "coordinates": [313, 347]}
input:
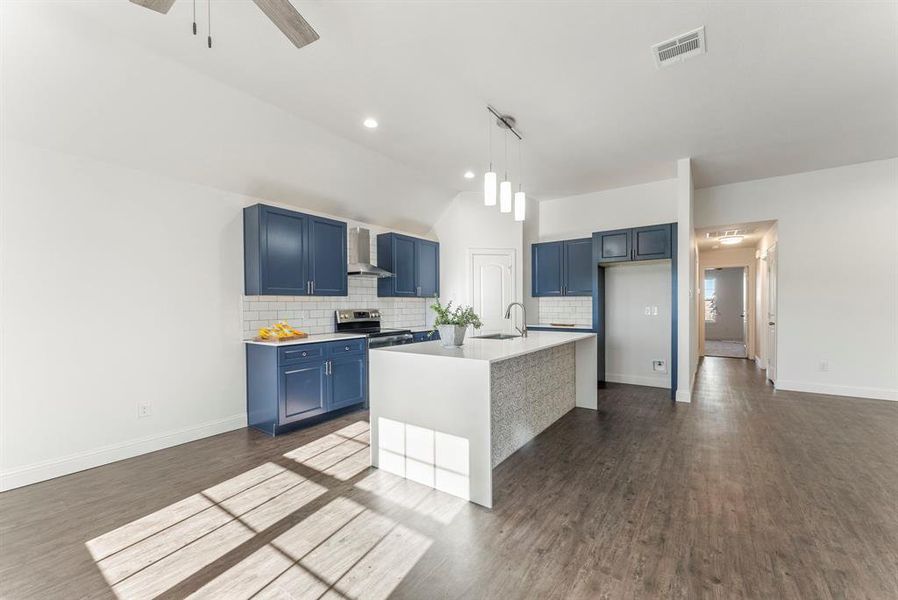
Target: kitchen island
{"type": "Point", "coordinates": [445, 417]}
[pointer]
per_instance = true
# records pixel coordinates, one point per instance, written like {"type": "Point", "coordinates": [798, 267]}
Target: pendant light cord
{"type": "Point", "coordinates": [209, 18]}
{"type": "Point", "coordinates": [194, 17]}
{"type": "Point", "coordinates": [520, 165]}
{"type": "Point", "coordinates": [506, 155]}
{"type": "Point", "coordinates": [489, 128]}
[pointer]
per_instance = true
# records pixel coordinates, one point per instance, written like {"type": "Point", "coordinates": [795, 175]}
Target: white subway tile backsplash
{"type": "Point", "coordinates": [577, 310]}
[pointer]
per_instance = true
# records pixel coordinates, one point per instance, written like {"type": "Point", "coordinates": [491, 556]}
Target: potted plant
{"type": "Point", "coordinates": [452, 324]}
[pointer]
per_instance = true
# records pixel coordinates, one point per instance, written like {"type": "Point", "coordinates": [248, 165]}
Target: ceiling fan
{"type": "Point", "coordinates": [281, 13]}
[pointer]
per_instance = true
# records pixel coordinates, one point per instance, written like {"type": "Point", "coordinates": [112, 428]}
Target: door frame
{"type": "Point", "coordinates": [469, 270]}
{"type": "Point", "coordinates": [751, 345]}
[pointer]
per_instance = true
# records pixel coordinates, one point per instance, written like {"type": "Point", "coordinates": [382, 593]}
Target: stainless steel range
{"type": "Point", "coordinates": [367, 321]}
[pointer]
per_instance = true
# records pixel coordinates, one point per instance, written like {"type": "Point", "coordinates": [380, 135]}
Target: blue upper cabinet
{"type": "Point", "coordinates": [640, 243]}
{"type": "Point", "coordinates": [562, 268]}
{"type": "Point", "coordinates": [287, 253]}
{"type": "Point", "coordinates": [651, 243]}
{"type": "Point", "coordinates": [414, 262]}
{"type": "Point", "coordinates": [547, 269]}
{"type": "Point", "coordinates": [614, 246]}
{"type": "Point", "coordinates": [428, 268]}
{"type": "Point", "coordinates": [578, 267]}
{"type": "Point", "coordinates": [327, 257]}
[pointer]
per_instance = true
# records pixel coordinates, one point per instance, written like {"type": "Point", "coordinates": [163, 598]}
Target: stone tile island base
{"type": "Point", "coordinates": [529, 393]}
{"type": "Point", "coordinates": [445, 417]}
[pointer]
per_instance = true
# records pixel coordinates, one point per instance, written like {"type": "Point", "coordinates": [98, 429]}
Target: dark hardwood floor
{"type": "Point", "coordinates": [744, 493]}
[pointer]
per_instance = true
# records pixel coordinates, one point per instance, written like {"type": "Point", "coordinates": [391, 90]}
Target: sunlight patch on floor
{"type": "Point", "coordinates": [350, 547]}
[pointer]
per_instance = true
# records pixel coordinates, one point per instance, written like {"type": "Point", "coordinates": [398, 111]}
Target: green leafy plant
{"type": "Point", "coordinates": [462, 316]}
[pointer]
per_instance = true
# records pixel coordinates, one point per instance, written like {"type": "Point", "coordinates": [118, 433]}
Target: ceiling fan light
{"type": "Point", "coordinates": [730, 240]}
{"type": "Point", "coordinates": [520, 206]}
{"type": "Point", "coordinates": [505, 197]}
{"type": "Point", "coordinates": [489, 188]}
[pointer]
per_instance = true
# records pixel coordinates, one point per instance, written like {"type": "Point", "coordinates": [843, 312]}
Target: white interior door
{"type": "Point", "coordinates": [771, 313]}
{"type": "Point", "coordinates": [492, 288]}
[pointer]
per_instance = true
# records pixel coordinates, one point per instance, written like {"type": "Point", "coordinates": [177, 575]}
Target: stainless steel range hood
{"type": "Point", "coordinates": [360, 257]}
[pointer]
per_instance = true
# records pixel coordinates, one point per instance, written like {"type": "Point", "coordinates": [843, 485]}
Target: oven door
{"type": "Point", "coordinates": [390, 340]}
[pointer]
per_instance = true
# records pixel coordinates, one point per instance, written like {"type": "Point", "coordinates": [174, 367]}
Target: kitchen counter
{"type": "Point", "coordinates": [446, 417]}
{"type": "Point", "coordinates": [312, 339]}
{"type": "Point", "coordinates": [492, 350]}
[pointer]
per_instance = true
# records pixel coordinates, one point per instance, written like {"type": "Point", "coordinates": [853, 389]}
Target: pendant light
{"type": "Point", "coordinates": [505, 186]}
{"type": "Point", "coordinates": [520, 199]}
{"type": "Point", "coordinates": [489, 178]}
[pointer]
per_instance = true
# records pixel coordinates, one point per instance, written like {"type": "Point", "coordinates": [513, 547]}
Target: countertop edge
{"type": "Point", "coordinates": [312, 339]}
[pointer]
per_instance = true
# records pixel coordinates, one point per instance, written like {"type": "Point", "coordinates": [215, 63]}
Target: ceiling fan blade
{"type": "Point", "coordinates": [160, 6]}
{"type": "Point", "coordinates": [288, 20]}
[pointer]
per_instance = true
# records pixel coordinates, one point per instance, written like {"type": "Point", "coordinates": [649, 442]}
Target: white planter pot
{"type": "Point", "coordinates": [452, 335]}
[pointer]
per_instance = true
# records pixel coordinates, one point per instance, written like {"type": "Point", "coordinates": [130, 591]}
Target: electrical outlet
{"type": "Point", "coordinates": [654, 311]}
{"type": "Point", "coordinates": [648, 311]}
{"type": "Point", "coordinates": [143, 410]}
{"type": "Point", "coordinates": [659, 366]}
{"type": "Point", "coordinates": [824, 365]}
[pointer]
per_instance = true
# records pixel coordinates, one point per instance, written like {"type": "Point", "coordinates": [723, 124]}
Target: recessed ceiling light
{"type": "Point", "coordinates": [370, 123]}
{"type": "Point", "coordinates": [729, 240]}
{"type": "Point", "coordinates": [469, 174]}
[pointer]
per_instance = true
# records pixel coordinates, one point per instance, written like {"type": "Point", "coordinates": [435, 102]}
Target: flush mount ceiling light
{"type": "Point", "coordinates": [730, 240]}
{"type": "Point", "coordinates": [370, 123]}
{"type": "Point", "coordinates": [507, 123]}
{"type": "Point", "coordinates": [469, 175]}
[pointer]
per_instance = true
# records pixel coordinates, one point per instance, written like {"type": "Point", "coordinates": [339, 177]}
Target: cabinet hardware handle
{"type": "Point", "coordinates": [346, 348]}
{"type": "Point", "coordinates": [305, 353]}
{"type": "Point", "coordinates": [312, 283]}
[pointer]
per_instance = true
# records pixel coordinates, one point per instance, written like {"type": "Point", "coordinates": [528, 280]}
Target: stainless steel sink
{"type": "Point", "coordinates": [497, 336]}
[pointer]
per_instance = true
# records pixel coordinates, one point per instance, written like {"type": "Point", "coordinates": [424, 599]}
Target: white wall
{"type": "Point", "coordinates": [467, 224]}
{"type": "Point", "coordinates": [118, 287]}
{"type": "Point", "coordinates": [579, 216]}
{"type": "Point", "coordinates": [837, 253]}
{"type": "Point", "coordinates": [687, 283]}
{"type": "Point", "coordinates": [632, 338]}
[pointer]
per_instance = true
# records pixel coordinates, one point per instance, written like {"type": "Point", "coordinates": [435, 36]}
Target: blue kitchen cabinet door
{"type": "Point", "coordinates": [427, 258]}
{"type": "Point", "coordinates": [651, 243]}
{"type": "Point", "coordinates": [578, 267]}
{"type": "Point", "coordinates": [328, 262]}
{"type": "Point", "coordinates": [547, 269]}
{"type": "Point", "coordinates": [303, 391]}
{"type": "Point", "coordinates": [613, 246]}
{"type": "Point", "coordinates": [275, 246]}
{"type": "Point", "coordinates": [348, 378]}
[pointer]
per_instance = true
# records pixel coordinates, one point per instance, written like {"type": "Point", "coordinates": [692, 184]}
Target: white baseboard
{"type": "Point", "coordinates": [684, 396]}
{"type": "Point", "coordinates": [760, 363]}
{"type": "Point", "coordinates": [89, 459]}
{"type": "Point", "coordinates": [661, 382]}
{"type": "Point", "coordinates": [837, 390]}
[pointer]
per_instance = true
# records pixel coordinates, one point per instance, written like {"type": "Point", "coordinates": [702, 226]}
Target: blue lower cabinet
{"type": "Point", "coordinates": [348, 379]}
{"type": "Point", "coordinates": [425, 336]}
{"type": "Point", "coordinates": [300, 384]}
{"type": "Point", "coordinates": [302, 391]}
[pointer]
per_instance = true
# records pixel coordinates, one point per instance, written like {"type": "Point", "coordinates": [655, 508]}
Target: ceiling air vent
{"type": "Point", "coordinates": [679, 48]}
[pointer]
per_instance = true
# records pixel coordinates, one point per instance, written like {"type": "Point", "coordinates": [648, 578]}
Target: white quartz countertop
{"type": "Point", "coordinates": [491, 350]}
{"type": "Point", "coordinates": [312, 339]}
{"type": "Point", "coordinates": [561, 327]}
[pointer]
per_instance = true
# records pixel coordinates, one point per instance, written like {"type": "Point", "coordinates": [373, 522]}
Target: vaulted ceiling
{"type": "Point", "coordinates": [785, 87]}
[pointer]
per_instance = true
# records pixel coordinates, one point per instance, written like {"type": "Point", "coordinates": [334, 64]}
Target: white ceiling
{"type": "Point", "coordinates": [785, 86]}
{"type": "Point", "coordinates": [751, 233]}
